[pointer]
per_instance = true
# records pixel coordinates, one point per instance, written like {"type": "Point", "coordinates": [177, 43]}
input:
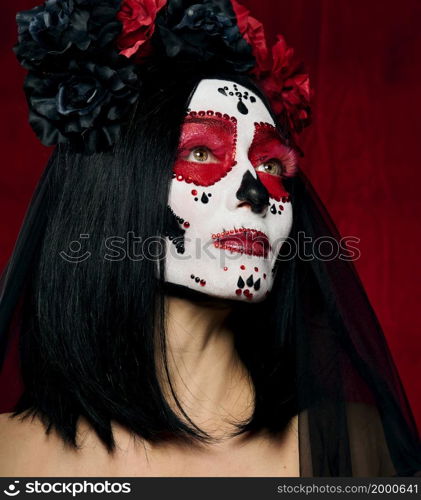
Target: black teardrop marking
{"type": "Point", "coordinates": [273, 209]}
{"type": "Point", "coordinates": [240, 282]}
{"type": "Point", "coordinates": [252, 99]}
{"type": "Point", "coordinates": [222, 91]}
{"type": "Point", "coordinates": [204, 198]}
{"type": "Point", "coordinates": [257, 285]}
{"type": "Point", "coordinates": [250, 281]}
{"type": "Point", "coordinates": [242, 108]}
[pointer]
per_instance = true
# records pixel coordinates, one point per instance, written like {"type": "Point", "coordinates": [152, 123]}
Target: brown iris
{"type": "Point", "coordinates": [273, 167]}
{"type": "Point", "coordinates": [201, 154]}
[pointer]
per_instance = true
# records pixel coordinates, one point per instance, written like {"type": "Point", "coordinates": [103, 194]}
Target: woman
{"type": "Point", "coordinates": [172, 320]}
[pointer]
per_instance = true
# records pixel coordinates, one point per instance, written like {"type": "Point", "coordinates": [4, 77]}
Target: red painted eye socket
{"type": "Point", "coordinates": [207, 149]}
{"type": "Point", "coordinates": [268, 149]}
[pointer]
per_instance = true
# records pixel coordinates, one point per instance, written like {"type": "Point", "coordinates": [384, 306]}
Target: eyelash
{"type": "Point", "coordinates": [210, 159]}
{"type": "Point", "coordinates": [264, 163]}
{"type": "Point", "coordinates": [288, 162]}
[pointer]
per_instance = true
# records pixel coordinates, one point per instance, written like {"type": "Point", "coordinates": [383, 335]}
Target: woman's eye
{"type": "Point", "coordinates": [201, 155]}
{"type": "Point", "coordinates": [273, 167]}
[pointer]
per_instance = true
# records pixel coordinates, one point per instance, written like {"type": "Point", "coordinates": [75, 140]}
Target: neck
{"type": "Point", "coordinates": [210, 381]}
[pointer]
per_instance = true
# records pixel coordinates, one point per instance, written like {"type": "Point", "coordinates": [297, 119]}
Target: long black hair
{"type": "Point", "coordinates": [88, 329]}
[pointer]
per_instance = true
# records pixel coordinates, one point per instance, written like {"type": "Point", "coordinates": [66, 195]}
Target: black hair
{"type": "Point", "coordinates": [89, 330]}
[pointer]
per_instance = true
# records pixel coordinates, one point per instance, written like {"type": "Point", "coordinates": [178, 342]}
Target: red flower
{"type": "Point", "coordinates": [283, 79]}
{"type": "Point", "coordinates": [254, 34]}
{"type": "Point", "coordinates": [138, 19]}
{"type": "Point", "coordinates": [288, 86]}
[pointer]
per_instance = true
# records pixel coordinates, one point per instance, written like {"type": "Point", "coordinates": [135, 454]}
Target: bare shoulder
{"type": "Point", "coordinates": [22, 440]}
{"type": "Point", "coordinates": [16, 430]}
{"type": "Point", "coordinates": [26, 449]}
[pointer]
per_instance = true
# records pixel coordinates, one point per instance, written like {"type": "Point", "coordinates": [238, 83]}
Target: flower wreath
{"type": "Point", "coordinates": [84, 58]}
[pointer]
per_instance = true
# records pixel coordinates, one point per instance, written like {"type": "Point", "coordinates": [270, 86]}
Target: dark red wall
{"type": "Point", "coordinates": [363, 152]}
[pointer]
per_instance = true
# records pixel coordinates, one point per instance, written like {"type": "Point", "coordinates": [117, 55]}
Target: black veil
{"type": "Point", "coordinates": [354, 417]}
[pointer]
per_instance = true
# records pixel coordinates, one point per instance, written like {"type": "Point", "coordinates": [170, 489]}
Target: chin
{"type": "Point", "coordinates": [219, 290]}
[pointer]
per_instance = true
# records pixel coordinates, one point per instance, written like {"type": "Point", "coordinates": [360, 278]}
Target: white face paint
{"type": "Point", "coordinates": [227, 195]}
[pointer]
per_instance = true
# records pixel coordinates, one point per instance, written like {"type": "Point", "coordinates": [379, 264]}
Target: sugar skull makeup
{"type": "Point", "coordinates": [229, 211]}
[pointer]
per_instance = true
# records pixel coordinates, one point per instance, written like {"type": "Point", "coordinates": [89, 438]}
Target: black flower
{"type": "Point", "coordinates": [203, 32]}
{"type": "Point", "coordinates": [79, 89]}
{"type": "Point", "coordinates": [86, 105]}
{"type": "Point", "coordinates": [61, 26]}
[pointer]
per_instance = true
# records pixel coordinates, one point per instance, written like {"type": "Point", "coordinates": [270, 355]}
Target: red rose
{"type": "Point", "coordinates": [138, 19]}
{"type": "Point", "coordinates": [288, 86]}
{"type": "Point", "coordinates": [254, 34]}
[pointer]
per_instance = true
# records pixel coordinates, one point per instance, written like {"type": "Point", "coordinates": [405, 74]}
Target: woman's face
{"type": "Point", "coordinates": [227, 195]}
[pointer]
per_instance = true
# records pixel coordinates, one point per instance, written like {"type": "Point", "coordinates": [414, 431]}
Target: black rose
{"type": "Point", "coordinates": [50, 29]}
{"type": "Point", "coordinates": [203, 32]}
{"type": "Point", "coordinates": [80, 95]}
{"type": "Point", "coordinates": [87, 105]}
{"type": "Point", "coordinates": [210, 20]}
{"type": "Point", "coordinates": [55, 29]}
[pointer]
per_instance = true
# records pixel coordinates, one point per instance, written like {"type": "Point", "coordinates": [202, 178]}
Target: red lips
{"type": "Point", "coordinates": [248, 241]}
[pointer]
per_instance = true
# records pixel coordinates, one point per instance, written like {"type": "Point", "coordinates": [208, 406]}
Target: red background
{"type": "Point", "coordinates": [363, 152]}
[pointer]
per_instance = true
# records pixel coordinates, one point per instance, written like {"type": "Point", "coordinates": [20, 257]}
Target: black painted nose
{"type": "Point", "coordinates": [252, 191]}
